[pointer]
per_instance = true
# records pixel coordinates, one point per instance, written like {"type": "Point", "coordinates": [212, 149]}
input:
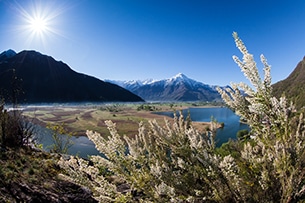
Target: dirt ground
{"type": "Point", "coordinates": [78, 119]}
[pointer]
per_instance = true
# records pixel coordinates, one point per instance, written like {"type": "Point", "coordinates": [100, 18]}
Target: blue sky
{"type": "Point", "coordinates": [141, 39]}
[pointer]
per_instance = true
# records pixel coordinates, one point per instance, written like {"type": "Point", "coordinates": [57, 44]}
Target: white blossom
{"type": "Point", "coordinates": [176, 163]}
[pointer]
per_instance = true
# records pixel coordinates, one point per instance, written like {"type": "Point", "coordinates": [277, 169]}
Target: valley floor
{"type": "Point", "coordinates": [78, 119]}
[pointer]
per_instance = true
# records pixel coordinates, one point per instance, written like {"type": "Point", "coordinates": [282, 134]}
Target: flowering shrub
{"type": "Point", "coordinates": [274, 160]}
{"type": "Point", "coordinates": [171, 163]}
{"type": "Point", "coordinates": [175, 163]}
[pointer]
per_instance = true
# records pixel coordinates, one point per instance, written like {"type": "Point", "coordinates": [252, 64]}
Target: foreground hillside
{"type": "Point", "coordinates": [28, 175]}
{"type": "Point", "coordinates": [293, 87]}
{"type": "Point", "coordinates": [31, 77]}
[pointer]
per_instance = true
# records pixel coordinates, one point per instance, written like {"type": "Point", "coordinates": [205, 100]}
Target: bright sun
{"type": "Point", "coordinates": [38, 20]}
{"type": "Point", "coordinates": [38, 25]}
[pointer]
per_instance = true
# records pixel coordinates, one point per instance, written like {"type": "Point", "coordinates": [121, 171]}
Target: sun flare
{"type": "Point", "coordinates": [38, 25]}
{"type": "Point", "coordinates": [39, 21]}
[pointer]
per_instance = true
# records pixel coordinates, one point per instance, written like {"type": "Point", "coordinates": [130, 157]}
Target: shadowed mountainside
{"type": "Point", "coordinates": [293, 87]}
{"type": "Point", "coordinates": [40, 78]}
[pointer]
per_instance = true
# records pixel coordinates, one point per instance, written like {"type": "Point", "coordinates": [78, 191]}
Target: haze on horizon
{"type": "Point", "coordinates": [135, 39]}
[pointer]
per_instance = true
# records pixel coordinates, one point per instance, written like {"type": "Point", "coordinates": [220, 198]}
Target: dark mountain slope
{"type": "Point", "coordinates": [293, 87]}
{"type": "Point", "coordinates": [43, 79]}
{"type": "Point", "coordinates": [4, 56]}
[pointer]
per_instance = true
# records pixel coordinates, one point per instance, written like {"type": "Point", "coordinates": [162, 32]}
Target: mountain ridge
{"type": "Point", "coordinates": [43, 79]}
{"type": "Point", "coordinates": [293, 87]}
{"type": "Point", "coordinates": [176, 88]}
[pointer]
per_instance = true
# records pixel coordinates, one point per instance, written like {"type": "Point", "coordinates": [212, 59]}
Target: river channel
{"type": "Point", "coordinates": [84, 147]}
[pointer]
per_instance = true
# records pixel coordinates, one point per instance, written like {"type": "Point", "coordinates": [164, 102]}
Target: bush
{"type": "Point", "coordinates": [146, 107]}
{"type": "Point", "coordinates": [62, 140]}
{"type": "Point", "coordinates": [243, 134]}
{"type": "Point", "coordinates": [176, 163]}
{"type": "Point", "coordinates": [161, 164]}
{"type": "Point", "coordinates": [15, 130]}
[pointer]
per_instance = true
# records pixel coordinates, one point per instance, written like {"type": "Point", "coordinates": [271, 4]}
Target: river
{"type": "Point", "coordinates": [221, 114]}
{"type": "Point", "coordinates": [84, 147]}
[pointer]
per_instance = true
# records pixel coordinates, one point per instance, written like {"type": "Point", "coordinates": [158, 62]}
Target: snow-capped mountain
{"type": "Point", "coordinates": [177, 88]}
{"type": "Point", "coordinates": [131, 84]}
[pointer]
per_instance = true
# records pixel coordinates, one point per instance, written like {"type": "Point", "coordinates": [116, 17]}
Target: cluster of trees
{"type": "Point", "coordinates": [175, 163]}
{"type": "Point", "coordinates": [146, 107]}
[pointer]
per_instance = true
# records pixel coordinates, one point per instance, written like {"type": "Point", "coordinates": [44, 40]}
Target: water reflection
{"type": "Point", "coordinates": [82, 146]}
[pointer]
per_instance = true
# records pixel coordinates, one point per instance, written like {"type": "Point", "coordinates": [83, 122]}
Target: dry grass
{"type": "Point", "coordinates": [80, 119]}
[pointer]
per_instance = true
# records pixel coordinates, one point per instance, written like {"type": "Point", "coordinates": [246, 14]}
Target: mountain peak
{"type": "Point", "coordinates": [180, 75]}
{"type": "Point", "coordinates": [180, 78]}
{"type": "Point", "coordinates": [7, 54]}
